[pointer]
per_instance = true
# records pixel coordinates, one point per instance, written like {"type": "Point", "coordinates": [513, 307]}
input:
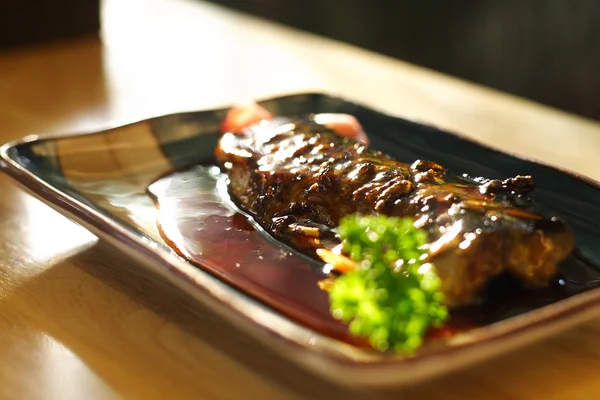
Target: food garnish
{"type": "Point", "coordinates": [392, 297]}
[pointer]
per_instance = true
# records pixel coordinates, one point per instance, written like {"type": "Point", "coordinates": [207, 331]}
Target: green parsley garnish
{"type": "Point", "coordinates": [392, 297]}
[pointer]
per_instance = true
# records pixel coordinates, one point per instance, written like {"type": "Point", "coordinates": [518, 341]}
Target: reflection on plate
{"type": "Point", "coordinates": [100, 181]}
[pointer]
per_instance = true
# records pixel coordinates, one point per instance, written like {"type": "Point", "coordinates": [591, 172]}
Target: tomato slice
{"type": "Point", "coordinates": [240, 117]}
{"type": "Point", "coordinates": [344, 125]}
{"type": "Point", "coordinates": [243, 116]}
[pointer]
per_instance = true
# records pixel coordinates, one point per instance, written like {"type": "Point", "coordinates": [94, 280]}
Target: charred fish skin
{"type": "Point", "coordinates": [298, 179]}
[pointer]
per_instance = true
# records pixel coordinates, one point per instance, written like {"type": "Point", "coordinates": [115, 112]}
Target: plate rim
{"type": "Point", "coordinates": [340, 363]}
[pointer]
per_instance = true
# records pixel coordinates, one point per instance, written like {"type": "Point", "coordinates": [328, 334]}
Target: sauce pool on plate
{"type": "Point", "coordinates": [199, 221]}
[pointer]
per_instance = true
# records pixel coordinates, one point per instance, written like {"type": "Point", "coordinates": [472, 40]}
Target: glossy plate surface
{"type": "Point", "coordinates": [100, 181]}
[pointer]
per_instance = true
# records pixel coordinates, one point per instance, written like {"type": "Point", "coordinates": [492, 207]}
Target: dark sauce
{"type": "Point", "coordinates": [198, 220]}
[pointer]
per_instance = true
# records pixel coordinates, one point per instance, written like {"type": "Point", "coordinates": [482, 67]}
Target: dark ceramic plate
{"type": "Point", "coordinates": [100, 180]}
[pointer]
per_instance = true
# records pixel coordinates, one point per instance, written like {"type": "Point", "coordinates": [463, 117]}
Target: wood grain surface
{"type": "Point", "coordinates": [80, 321]}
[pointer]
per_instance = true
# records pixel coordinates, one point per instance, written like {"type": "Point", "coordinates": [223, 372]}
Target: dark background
{"type": "Point", "coordinates": [25, 22]}
{"type": "Point", "coordinates": [545, 50]}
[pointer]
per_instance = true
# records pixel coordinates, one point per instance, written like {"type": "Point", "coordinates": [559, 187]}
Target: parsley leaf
{"type": "Point", "coordinates": [392, 297]}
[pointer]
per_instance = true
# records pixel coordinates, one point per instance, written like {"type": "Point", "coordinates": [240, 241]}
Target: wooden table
{"type": "Point", "coordinates": [80, 321]}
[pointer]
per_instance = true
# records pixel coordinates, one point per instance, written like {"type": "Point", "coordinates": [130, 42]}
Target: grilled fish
{"type": "Point", "coordinates": [298, 178]}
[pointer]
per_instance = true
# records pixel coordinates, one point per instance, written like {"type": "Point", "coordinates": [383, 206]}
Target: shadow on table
{"type": "Point", "coordinates": [499, 379]}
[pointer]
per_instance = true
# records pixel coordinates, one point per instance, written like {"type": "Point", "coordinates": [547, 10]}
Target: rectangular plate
{"type": "Point", "coordinates": [99, 180]}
